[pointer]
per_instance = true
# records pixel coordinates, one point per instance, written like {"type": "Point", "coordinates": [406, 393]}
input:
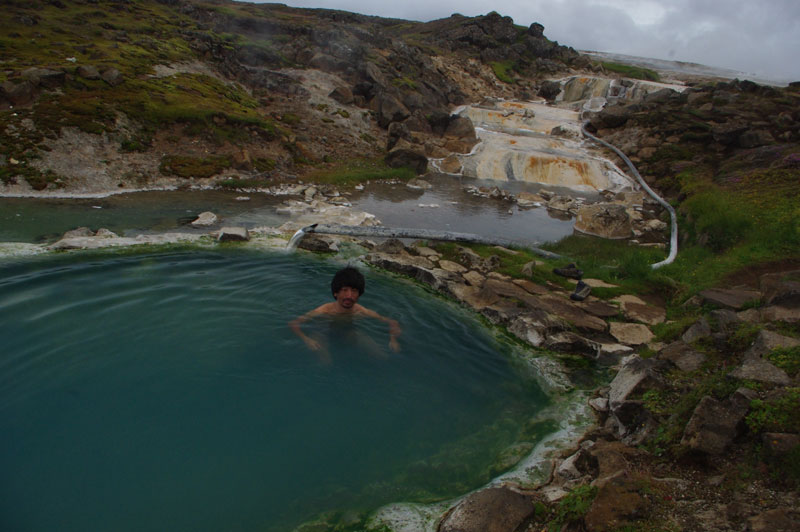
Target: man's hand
{"type": "Point", "coordinates": [312, 344]}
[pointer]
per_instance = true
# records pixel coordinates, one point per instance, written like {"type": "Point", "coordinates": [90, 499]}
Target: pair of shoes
{"type": "Point", "coordinates": [570, 270]}
{"type": "Point", "coordinates": [582, 291]}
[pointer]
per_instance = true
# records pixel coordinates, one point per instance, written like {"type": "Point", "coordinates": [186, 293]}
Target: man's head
{"type": "Point", "coordinates": [349, 277]}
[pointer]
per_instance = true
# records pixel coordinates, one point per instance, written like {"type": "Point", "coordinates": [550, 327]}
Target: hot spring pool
{"type": "Point", "coordinates": [166, 392]}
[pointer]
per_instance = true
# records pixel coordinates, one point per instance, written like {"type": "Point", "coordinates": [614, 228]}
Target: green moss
{"type": "Point", "coordinates": [503, 70]}
{"type": "Point", "coordinates": [632, 71]}
{"type": "Point", "coordinates": [572, 507]}
{"type": "Point", "coordinates": [777, 414]}
{"type": "Point", "coordinates": [358, 171]}
{"type": "Point", "coordinates": [405, 83]}
{"type": "Point", "coordinates": [786, 358]}
{"type": "Point", "coordinates": [200, 167]}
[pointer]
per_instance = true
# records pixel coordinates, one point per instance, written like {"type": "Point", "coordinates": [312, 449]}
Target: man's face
{"type": "Point", "coordinates": [347, 297]}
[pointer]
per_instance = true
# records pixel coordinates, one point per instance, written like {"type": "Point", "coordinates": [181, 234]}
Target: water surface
{"type": "Point", "coordinates": [166, 392]}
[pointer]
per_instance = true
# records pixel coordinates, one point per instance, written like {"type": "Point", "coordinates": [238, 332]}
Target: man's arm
{"type": "Point", "coordinates": [394, 326]}
{"type": "Point", "coordinates": [298, 321]}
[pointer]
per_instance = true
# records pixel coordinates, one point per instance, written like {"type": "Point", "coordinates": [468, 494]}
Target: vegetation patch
{"type": "Point", "coordinates": [632, 71]}
{"type": "Point", "coordinates": [504, 70]}
{"type": "Point", "coordinates": [200, 167]}
{"type": "Point", "coordinates": [777, 414]}
{"type": "Point", "coordinates": [358, 171]}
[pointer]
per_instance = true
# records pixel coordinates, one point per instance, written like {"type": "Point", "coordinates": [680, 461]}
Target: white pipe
{"type": "Point", "coordinates": [673, 245]}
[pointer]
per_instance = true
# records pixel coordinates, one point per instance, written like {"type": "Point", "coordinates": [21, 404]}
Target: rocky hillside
{"type": "Point", "coordinates": [132, 93]}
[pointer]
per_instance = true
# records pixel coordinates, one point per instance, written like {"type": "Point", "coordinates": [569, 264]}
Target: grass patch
{"type": "Point", "coordinates": [572, 507]}
{"type": "Point", "coordinates": [632, 71]}
{"type": "Point", "coordinates": [503, 70]}
{"type": "Point", "coordinates": [358, 171]}
{"type": "Point", "coordinates": [777, 414]}
{"type": "Point", "coordinates": [786, 358]}
{"type": "Point", "coordinates": [200, 167]}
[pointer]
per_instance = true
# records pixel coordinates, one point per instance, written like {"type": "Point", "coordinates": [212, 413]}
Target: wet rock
{"type": "Point", "coordinates": [318, 243]}
{"type": "Point", "coordinates": [205, 219]}
{"type": "Point", "coordinates": [714, 424]}
{"type": "Point", "coordinates": [498, 509]}
{"type": "Point", "coordinates": [460, 127]}
{"type": "Point", "coordinates": [233, 234]}
{"type": "Point", "coordinates": [611, 117]}
{"type": "Point", "coordinates": [569, 342]}
{"type": "Point", "coordinates": [550, 89]}
{"type": "Point", "coordinates": [527, 199]}
{"type": "Point", "coordinates": [609, 354]}
{"type": "Point", "coordinates": [406, 158]}
{"type": "Point", "coordinates": [535, 327]}
{"type": "Point", "coordinates": [605, 220]}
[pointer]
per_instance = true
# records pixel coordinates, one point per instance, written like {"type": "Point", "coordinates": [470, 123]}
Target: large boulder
{"type": "Point", "coordinates": [714, 424]}
{"type": "Point", "coordinates": [390, 109]}
{"type": "Point", "coordinates": [605, 220]}
{"type": "Point", "coordinates": [499, 509]}
{"type": "Point", "coordinates": [406, 158]}
{"type": "Point", "coordinates": [611, 117]}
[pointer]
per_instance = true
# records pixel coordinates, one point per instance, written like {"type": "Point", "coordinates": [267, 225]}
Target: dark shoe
{"type": "Point", "coordinates": [582, 291]}
{"type": "Point", "coordinates": [570, 270]}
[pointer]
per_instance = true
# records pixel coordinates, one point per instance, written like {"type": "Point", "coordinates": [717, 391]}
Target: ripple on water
{"type": "Point", "coordinates": [166, 391]}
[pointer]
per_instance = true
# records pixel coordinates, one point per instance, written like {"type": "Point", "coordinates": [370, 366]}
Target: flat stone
{"type": "Point", "coordinates": [451, 266]}
{"type": "Point", "coordinates": [205, 219]}
{"type": "Point", "coordinates": [598, 308]}
{"type": "Point", "coordinates": [767, 341]}
{"type": "Point", "coordinates": [776, 313]}
{"type": "Point", "coordinates": [630, 333]}
{"type": "Point", "coordinates": [233, 234]}
{"type": "Point", "coordinates": [473, 296]}
{"type": "Point", "coordinates": [531, 287]}
{"type": "Point", "coordinates": [636, 309]}
{"type": "Point", "coordinates": [776, 520]}
{"type": "Point", "coordinates": [427, 252]}
{"type": "Point", "coordinates": [610, 354]}
{"type": "Point", "coordinates": [598, 283]}
{"type": "Point", "coordinates": [683, 356]}
{"type": "Point", "coordinates": [568, 311]}
{"type": "Point", "coordinates": [734, 299]}
{"type": "Point", "coordinates": [781, 289]}
{"type": "Point", "coordinates": [759, 370]}
{"type": "Point", "coordinates": [474, 278]}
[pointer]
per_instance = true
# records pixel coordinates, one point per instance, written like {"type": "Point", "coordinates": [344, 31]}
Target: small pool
{"type": "Point", "coordinates": [166, 392]}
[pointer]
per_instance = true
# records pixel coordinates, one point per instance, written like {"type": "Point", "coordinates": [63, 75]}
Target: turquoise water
{"type": "Point", "coordinates": [166, 392]}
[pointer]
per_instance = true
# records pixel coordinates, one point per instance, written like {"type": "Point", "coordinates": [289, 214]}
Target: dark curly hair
{"type": "Point", "coordinates": [348, 277]}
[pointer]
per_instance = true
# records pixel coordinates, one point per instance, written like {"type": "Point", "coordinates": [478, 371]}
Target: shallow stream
{"type": "Point", "coordinates": [166, 392]}
{"type": "Point", "coordinates": [446, 207]}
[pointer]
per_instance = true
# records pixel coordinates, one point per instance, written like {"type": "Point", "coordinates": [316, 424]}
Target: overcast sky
{"type": "Point", "coordinates": [759, 37]}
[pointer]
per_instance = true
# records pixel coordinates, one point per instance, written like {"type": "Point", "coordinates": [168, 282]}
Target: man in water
{"type": "Point", "coordinates": [347, 286]}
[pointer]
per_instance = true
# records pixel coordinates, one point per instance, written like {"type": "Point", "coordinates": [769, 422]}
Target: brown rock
{"type": "Point", "coordinates": [777, 520]}
{"type": "Point", "coordinates": [618, 502]}
{"type": "Point", "coordinates": [490, 510]}
{"type": "Point", "coordinates": [604, 220]}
